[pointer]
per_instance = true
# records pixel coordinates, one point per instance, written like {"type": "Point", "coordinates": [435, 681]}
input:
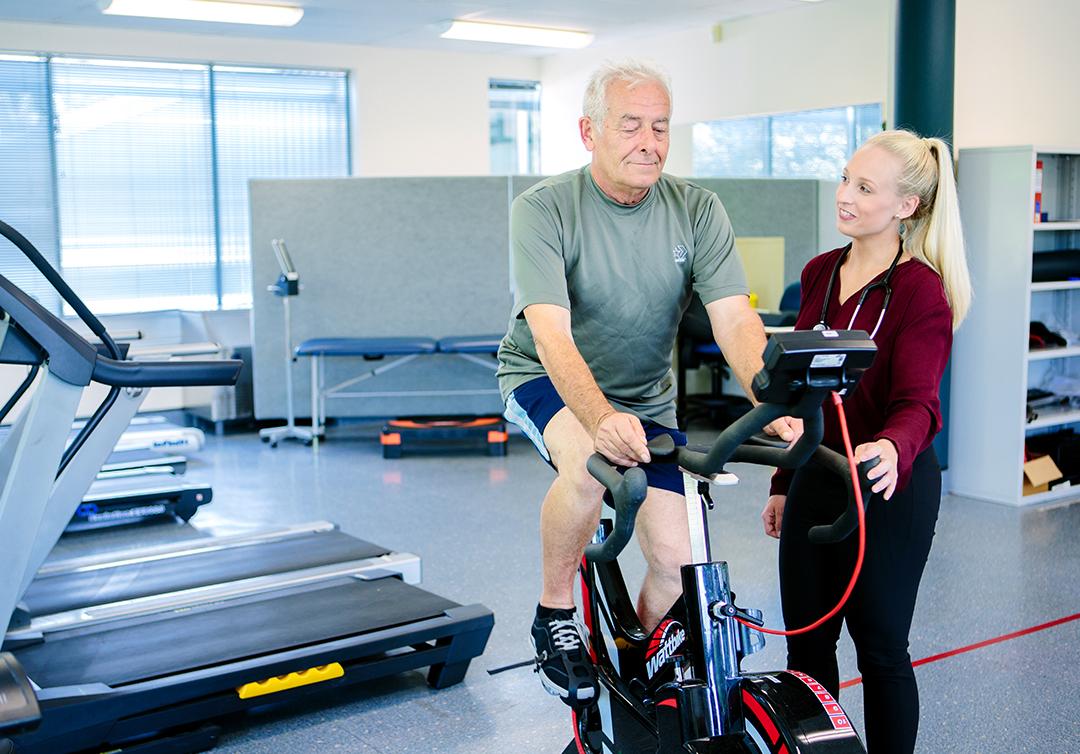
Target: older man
{"type": "Point", "coordinates": [604, 260]}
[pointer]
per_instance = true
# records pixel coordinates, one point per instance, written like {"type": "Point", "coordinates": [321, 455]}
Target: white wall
{"type": "Point", "coordinates": [812, 56]}
{"type": "Point", "coordinates": [1017, 68]}
{"type": "Point", "coordinates": [1017, 73]}
{"type": "Point", "coordinates": [415, 112]}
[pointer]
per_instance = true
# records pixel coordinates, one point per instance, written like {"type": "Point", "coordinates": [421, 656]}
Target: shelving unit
{"type": "Point", "coordinates": [992, 365]}
{"type": "Point", "coordinates": [1054, 353]}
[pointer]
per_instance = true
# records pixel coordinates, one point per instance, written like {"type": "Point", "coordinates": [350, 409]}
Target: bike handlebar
{"type": "Point", "coordinates": [628, 491]}
{"type": "Point", "coordinates": [737, 443]}
{"type": "Point", "coordinates": [847, 521]}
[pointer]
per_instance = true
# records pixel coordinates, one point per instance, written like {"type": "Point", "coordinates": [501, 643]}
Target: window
{"type": "Point", "coordinates": [26, 183]}
{"type": "Point", "coordinates": [270, 124]}
{"type": "Point", "coordinates": [140, 184]}
{"type": "Point", "coordinates": [135, 184]}
{"type": "Point", "coordinates": [807, 144]}
{"type": "Point", "coordinates": [515, 127]}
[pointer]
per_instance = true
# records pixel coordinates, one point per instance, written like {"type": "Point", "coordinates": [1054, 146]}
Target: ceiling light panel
{"type": "Point", "coordinates": [533, 36]}
{"type": "Point", "coordinates": [207, 10]}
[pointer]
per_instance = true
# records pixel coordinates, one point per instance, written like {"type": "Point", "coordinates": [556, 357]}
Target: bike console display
{"type": "Point", "coordinates": [818, 360]}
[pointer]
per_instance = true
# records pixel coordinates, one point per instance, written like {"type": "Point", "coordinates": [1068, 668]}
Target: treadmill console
{"type": "Point", "coordinates": [818, 360]}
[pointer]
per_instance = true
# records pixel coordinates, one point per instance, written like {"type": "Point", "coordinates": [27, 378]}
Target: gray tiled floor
{"type": "Point", "coordinates": [472, 519]}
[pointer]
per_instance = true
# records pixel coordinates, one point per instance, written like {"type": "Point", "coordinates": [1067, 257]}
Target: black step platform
{"type": "Point", "coordinates": [444, 433]}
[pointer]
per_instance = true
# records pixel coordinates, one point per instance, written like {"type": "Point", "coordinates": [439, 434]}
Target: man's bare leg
{"type": "Point", "coordinates": [665, 540]}
{"type": "Point", "coordinates": [571, 513]}
{"type": "Point", "coordinates": [571, 509]}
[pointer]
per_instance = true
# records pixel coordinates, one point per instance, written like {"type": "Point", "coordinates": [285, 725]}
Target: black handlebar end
{"type": "Point", "coordinates": [842, 527]}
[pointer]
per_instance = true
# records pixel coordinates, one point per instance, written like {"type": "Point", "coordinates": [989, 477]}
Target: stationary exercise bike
{"type": "Point", "coordinates": [679, 688]}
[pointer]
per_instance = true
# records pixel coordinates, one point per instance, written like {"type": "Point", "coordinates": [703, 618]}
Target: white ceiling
{"type": "Point", "coordinates": [417, 23]}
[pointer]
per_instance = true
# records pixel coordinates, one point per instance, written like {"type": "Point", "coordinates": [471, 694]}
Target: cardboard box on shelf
{"type": "Point", "coordinates": [1038, 473]}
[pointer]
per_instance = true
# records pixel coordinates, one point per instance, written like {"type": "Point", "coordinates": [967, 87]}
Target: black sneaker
{"type": "Point", "coordinates": [561, 659]}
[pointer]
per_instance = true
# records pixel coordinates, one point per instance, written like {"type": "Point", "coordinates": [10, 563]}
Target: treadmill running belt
{"type": "Point", "coordinates": [70, 591]}
{"type": "Point", "coordinates": [213, 635]}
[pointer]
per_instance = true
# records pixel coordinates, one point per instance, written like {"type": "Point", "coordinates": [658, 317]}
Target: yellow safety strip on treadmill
{"type": "Point", "coordinates": [291, 681]}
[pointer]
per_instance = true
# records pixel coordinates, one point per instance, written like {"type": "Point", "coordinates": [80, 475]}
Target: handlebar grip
{"type": "Point", "coordinates": [628, 493]}
{"type": "Point", "coordinates": [848, 521]}
{"type": "Point", "coordinates": [731, 444]}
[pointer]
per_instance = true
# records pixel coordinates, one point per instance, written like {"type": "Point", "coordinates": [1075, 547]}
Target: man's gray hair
{"type": "Point", "coordinates": [633, 72]}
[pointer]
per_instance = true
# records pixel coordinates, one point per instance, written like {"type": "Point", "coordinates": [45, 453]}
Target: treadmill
{"type": "Point", "coordinates": [123, 462]}
{"type": "Point", "coordinates": [138, 484]}
{"type": "Point", "coordinates": [160, 666]}
{"type": "Point", "coordinates": [18, 703]}
{"type": "Point", "coordinates": [132, 498]}
{"type": "Point", "coordinates": [133, 460]}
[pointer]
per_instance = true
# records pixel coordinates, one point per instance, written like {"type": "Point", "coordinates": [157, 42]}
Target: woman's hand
{"type": "Point", "coordinates": [773, 515]}
{"type": "Point", "coordinates": [886, 471]}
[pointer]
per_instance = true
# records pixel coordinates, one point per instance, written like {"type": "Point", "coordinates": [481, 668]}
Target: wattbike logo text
{"type": "Point", "coordinates": [664, 642]}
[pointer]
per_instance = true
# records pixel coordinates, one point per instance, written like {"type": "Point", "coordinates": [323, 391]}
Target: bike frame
{"type": "Point", "coordinates": [680, 687]}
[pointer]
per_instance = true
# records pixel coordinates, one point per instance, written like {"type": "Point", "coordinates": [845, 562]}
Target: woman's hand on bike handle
{"type": "Point", "coordinates": [773, 515]}
{"type": "Point", "coordinates": [885, 474]}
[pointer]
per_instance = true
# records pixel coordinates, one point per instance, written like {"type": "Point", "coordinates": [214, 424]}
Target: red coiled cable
{"type": "Point", "coordinates": [862, 536]}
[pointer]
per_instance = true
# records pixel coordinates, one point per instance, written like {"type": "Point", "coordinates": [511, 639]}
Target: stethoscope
{"type": "Point", "coordinates": [883, 284]}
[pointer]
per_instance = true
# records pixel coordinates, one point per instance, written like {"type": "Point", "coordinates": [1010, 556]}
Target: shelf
{"type": "Point", "coordinates": [1058, 493]}
{"type": "Point", "coordinates": [1054, 419]}
{"type": "Point", "coordinates": [1053, 353]}
{"type": "Point", "coordinates": [1055, 285]}
{"type": "Point", "coordinates": [1072, 225]}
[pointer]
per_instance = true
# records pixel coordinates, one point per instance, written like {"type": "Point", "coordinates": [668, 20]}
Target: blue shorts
{"type": "Point", "coordinates": [532, 405]}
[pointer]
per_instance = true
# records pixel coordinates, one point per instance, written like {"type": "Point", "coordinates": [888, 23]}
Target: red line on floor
{"type": "Point", "coordinates": [979, 645]}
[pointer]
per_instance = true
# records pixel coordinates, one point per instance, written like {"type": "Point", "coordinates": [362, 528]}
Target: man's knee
{"type": "Point", "coordinates": [578, 482]}
{"type": "Point", "coordinates": [667, 557]}
{"type": "Point", "coordinates": [665, 536]}
{"type": "Point", "coordinates": [570, 447]}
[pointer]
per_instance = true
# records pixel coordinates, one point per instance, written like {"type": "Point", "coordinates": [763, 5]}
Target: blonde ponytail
{"type": "Point", "coordinates": [933, 234]}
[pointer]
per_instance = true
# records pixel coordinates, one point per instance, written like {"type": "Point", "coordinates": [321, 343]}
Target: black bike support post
{"type": "Point", "coordinates": [704, 586]}
{"type": "Point", "coordinates": [924, 80]}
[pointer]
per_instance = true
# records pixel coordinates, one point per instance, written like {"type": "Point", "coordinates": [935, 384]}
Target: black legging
{"type": "Point", "coordinates": [878, 614]}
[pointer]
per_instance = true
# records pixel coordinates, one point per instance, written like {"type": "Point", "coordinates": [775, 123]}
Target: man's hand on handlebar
{"type": "Point", "coordinates": [621, 439]}
{"type": "Point", "coordinates": [787, 428]}
{"type": "Point", "coordinates": [773, 515]}
{"type": "Point", "coordinates": [885, 474]}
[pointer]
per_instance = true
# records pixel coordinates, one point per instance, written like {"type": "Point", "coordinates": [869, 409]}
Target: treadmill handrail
{"type": "Point", "coordinates": [71, 357]}
{"type": "Point", "coordinates": [52, 275]}
{"type": "Point", "coordinates": [166, 373]}
{"type": "Point", "coordinates": [76, 361]}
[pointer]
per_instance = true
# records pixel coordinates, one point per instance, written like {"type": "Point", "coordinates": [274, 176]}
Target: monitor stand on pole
{"type": "Point", "coordinates": [287, 286]}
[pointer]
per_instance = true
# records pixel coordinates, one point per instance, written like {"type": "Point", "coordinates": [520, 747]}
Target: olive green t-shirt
{"type": "Point", "coordinates": [624, 272]}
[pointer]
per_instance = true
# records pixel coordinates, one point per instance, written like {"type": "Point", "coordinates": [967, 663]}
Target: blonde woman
{"type": "Point", "coordinates": [903, 278]}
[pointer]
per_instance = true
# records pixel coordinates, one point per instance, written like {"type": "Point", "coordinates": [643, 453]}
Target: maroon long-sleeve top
{"type": "Point", "coordinates": [897, 397]}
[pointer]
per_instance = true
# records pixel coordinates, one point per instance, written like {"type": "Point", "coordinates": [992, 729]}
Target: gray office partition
{"type": "Point", "coordinates": [791, 208]}
{"type": "Point", "coordinates": [381, 257]}
{"type": "Point", "coordinates": [389, 257]}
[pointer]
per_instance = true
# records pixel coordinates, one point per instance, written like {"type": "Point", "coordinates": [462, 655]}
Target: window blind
{"type": "Point", "coordinates": [133, 155]}
{"type": "Point", "coordinates": [27, 201]}
{"type": "Point", "coordinates": [271, 124]}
